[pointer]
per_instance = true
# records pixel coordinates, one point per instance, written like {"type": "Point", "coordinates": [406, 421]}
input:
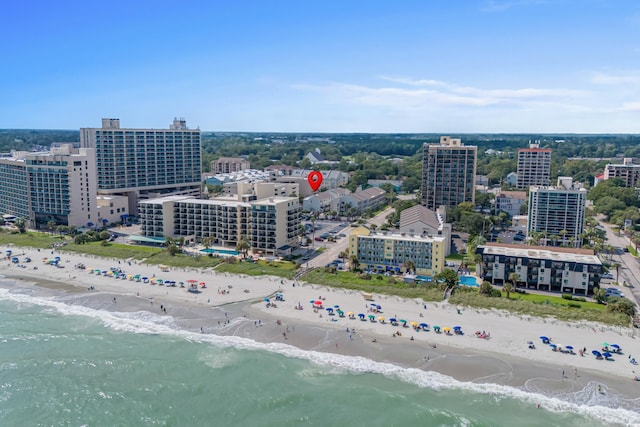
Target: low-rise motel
{"type": "Point", "coordinates": [545, 268]}
{"type": "Point", "coordinates": [389, 252]}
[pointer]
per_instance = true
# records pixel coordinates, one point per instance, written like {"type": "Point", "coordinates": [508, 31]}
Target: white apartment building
{"type": "Point", "coordinates": [558, 211]}
{"type": "Point", "coordinates": [271, 225]}
{"type": "Point", "coordinates": [58, 185]}
{"type": "Point", "coordinates": [567, 270]}
{"type": "Point", "coordinates": [510, 202]}
{"type": "Point", "coordinates": [145, 163]}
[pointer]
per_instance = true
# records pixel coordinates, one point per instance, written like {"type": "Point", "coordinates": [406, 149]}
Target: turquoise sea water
{"type": "Point", "coordinates": [67, 365]}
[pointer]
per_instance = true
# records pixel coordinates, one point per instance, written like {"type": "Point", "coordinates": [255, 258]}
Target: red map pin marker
{"type": "Point", "coordinates": [315, 180]}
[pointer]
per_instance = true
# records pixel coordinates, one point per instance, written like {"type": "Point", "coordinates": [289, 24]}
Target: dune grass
{"type": "Point", "coordinates": [283, 269]}
{"type": "Point", "coordinates": [32, 239]}
{"type": "Point", "coordinates": [384, 285]}
{"type": "Point", "coordinates": [540, 306]}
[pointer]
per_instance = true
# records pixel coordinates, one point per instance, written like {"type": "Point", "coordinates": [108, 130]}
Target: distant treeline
{"type": "Point", "coordinates": [291, 147]}
{"type": "Point", "coordinates": [28, 139]}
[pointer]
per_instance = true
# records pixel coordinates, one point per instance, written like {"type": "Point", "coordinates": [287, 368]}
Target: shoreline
{"type": "Point", "coordinates": [504, 359]}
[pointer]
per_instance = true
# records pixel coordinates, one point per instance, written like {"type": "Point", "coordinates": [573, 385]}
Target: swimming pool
{"type": "Point", "coordinates": [220, 251]}
{"type": "Point", "coordinates": [424, 278]}
{"type": "Point", "coordinates": [468, 281]}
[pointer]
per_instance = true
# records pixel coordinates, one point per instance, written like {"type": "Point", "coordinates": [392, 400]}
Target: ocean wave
{"type": "Point", "coordinates": [149, 323]}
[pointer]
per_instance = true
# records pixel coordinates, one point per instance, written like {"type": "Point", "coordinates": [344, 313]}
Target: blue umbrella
{"type": "Point", "coordinates": [378, 307]}
{"type": "Point", "coordinates": [568, 347]}
{"type": "Point", "coordinates": [552, 345]}
{"type": "Point", "coordinates": [457, 327]}
{"type": "Point", "coordinates": [543, 338]}
{"type": "Point", "coordinates": [393, 319]}
{"type": "Point", "coordinates": [329, 309]}
{"type": "Point", "coordinates": [615, 346]}
{"type": "Point", "coordinates": [423, 325]}
{"type": "Point", "coordinates": [360, 315]}
{"type": "Point", "coordinates": [336, 306]}
{"type": "Point", "coordinates": [267, 300]}
{"type": "Point", "coordinates": [606, 354]}
{"type": "Point", "coordinates": [596, 353]}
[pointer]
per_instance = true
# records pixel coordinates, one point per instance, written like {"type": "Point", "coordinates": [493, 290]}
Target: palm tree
{"type": "Point", "coordinates": [617, 267]}
{"type": "Point", "coordinates": [243, 247]}
{"type": "Point", "coordinates": [206, 242]}
{"type": "Point", "coordinates": [449, 276]}
{"type": "Point", "coordinates": [513, 280]}
{"type": "Point", "coordinates": [409, 266]}
{"type": "Point", "coordinates": [508, 288]}
{"type": "Point", "coordinates": [355, 263]}
{"type": "Point", "coordinates": [599, 295]}
{"type": "Point", "coordinates": [563, 235]}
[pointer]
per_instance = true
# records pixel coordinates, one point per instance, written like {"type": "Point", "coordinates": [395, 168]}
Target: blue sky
{"type": "Point", "coordinates": [324, 66]}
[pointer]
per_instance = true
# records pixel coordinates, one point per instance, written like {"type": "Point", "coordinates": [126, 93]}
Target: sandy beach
{"type": "Point", "coordinates": [236, 305]}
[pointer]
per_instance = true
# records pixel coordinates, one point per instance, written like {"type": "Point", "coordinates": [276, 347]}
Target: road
{"type": "Point", "coordinates": [629, 271]}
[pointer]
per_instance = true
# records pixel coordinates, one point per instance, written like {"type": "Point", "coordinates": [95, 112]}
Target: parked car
{"type": "Point", "coordinates": [607, 276]}
{"type": "Point", "coordinates": [319, 239]}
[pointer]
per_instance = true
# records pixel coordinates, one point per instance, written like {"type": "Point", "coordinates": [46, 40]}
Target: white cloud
{"type": "Point", "coordinates": [616, 78]}
{"type": "Point", "coordinates": [630, 106]}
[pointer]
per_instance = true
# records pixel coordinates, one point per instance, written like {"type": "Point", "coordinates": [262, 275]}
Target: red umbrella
{"type": "Point", "coordinates": [317, 302]}
{"type": "Point", "coordinates": [192, 281]}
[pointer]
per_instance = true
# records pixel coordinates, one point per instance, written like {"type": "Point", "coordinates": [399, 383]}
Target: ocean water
{"type": "Point", "coordinates": [68, 365]}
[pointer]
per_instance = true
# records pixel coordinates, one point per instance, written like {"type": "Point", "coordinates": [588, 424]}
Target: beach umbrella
{"type": "Point", "coordinates": [543, 338]}
{"type": "Point", "coordinates": [423, 325]}
{"type": "Point", "coordinates": [267, 300]}
{"type": "Point", "coordinates": [192, 281]}
{"type": "Point", "coordinates": [553, 345]}
{"type": "Point", "coordinates": [596, 353]}
{"type": "Point", "coordinates": [361, 315]}
{"type": "Point", "coordinates": [606, 354]}
{"type": "Point", "coordinates": [312, 301]}
{"type": "Point", "coordinates": [403, 321]}
{"type": "Point", "coordinates": [378, 307]}
{"type": "Point", "coordinates": [336, 306]}
{"type": "Point", "coordinates": [351, 313]}
{"type": "Point", "coordinates": [393, 319]}
{"type": "Point", "coordinates": [329, 309]}
{"type": "Point", "coordinates": [414, 324]}
{"type": "Point", "coordinates": [446, 329]}
{"type": "Point", "coordinates": [371, 317]}
{"type": "Point", "coordinates": [436, 328]}
{"type": "Point", "coordinates": [457, 328]}
{"type": "Point", "coordinates": [318, 303]}
{"type": "Point", "coordinates": [381, 319]}
{"type": "Point", "coordinates": [568, 347]}
{"type": "Point", "coordinates": [616, 346]}
{"type": "Point", "coordinates": [605, 344]}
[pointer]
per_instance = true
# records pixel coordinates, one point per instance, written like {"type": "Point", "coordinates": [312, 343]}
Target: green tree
{"type": "Point", "coordinates": [21, 223]}
{"type": "Point", "coordinates": [508, 288]}
{"type": "Point", "coordinates": [409, 266]}
{"type": "Point", "coordinates": [243, 247]}
{"type": "Point", "coordinates": [355, 262]}
{"type": "Point", "coordinates": [51, 226]}
{"type": "Point", "coordinates": [449, 276]}
{"type": "Point", "coordinates": [599, 295]}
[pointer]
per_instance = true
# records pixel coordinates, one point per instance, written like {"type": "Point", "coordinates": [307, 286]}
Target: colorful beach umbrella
{"type": "Point", "coordinates": [381, 319]}
{"type": "Point", "coordinates": [423, 325]}
{"type": "Point", "coordinates": [414, 324]}
{"type": "Point", "coordinates": [393, 320]}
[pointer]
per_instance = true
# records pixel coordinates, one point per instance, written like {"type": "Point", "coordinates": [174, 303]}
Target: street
{"type": "Point", "coordinates": [629, 265]}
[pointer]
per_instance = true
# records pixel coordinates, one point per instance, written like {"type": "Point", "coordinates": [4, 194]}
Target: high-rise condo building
{"type": "Point", "coordinates": [145, 163]}
{"type": "Point", "coordinates": [534, 166]}
{"type": "Point", "coordinates": [558, 211]}
{"type": "Point", "coordinates": [58, 185]}
{"type": "Point", "coordinates": [448, 173]}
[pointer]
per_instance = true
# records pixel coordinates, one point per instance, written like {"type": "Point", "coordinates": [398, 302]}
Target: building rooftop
{"type": "Point", "coordinates": [586, 256]}
{"type": "Point", "coordinates": [419, 213]}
